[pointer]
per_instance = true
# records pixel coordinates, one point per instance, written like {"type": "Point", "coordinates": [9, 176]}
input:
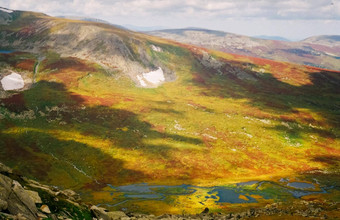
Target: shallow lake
{"type": "Point", "coordinates": [6, 51]}
{"type": "Point", "coordinates": [245, 192]}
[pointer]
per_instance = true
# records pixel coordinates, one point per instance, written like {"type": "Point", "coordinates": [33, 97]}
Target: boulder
{"type": "Point", "coordinates": [3, 205]}
{"type": "Point", "coordinates": [43, 216]}
{"type": "Point", "coordinates": [8, 216]}
{"type": "Point", "coordinates": [20, 202]}
{"type": "Point", "coordinates": [99, 213]}
{"type": "Point", "coordinates": [71, 194]}
{"type": "Point", "coordinates": [45, 209]}
{"type": "Point", "coordinates": [5, 187]}
{"type": "Point", "coordinates": [5, 169]}
{"type": "Point", "coordinates": [34, 196]}
{"type": "Point", "coordinates": [117, 215]}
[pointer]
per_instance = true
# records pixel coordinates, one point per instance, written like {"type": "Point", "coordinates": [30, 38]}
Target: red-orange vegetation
{"type": "Point", "coordinates": [70, 63]}
{"type": "Point", "coordinates": [198, 78]}
{"type": "Point", "coordinates": [26, 65]}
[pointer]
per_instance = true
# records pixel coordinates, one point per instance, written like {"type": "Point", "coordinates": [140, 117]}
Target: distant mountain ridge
{"type": "Point", "coordinates": [266, 37]}
{"type": "Point", "coordinates": [318, 51]}
{"type": "Point", "coordinates": [92, 20]}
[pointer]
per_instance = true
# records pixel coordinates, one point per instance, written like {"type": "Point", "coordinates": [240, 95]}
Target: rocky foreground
{"type": "Point", "coordinates": [22, 198]}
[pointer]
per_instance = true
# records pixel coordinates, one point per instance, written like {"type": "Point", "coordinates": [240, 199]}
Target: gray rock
{"type": "Point", "coordinates": [5, 169]}
{"type": "Point", "coordinates": [42, 215]}
{"type": "Point", "coordinates": [3, 205]}
{"type": "Point", "coordinates": [5, 187]}
{"type": "Point", "coordinates": [99, 213]}
{"type": "Point", "coordinates": [71, 194]}
{"type": "Point", "coordinates": [19, 202]}
{"type": "Point", "coordinates": [34, 196]}
{"type": "Point", "coordinates": [7, 216]}
{"type": "Point", "coordinates": [117, 215]}
{"type": "Point", "coordinates": [45, 209]}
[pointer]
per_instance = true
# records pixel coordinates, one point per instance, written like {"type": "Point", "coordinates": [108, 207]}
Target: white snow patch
{"type": "Point", "coordinates": [13, 81]}
{"type": "Point", "coordinates": [141, 81]}
{"type": "Point", "coordinates": [6, 10]}
{"type": "Point", "coordinates": [154, 77]}
{"type": "Point", "coordinates": [155, 48]}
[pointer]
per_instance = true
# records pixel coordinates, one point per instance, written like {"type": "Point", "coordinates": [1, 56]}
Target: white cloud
{"type": "Point", "coordinates": [202, 13]}
{"type": "Point", "coordinates": [297, 9]}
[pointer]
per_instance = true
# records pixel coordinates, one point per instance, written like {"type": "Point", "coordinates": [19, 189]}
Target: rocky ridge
{"type": "Point", "coordinates": [318, 51]}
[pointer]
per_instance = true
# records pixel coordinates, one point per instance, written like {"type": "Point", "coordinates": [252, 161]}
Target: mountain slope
{"type": "Point", "coordinates": [311, 52]}
{"type": "Point", "coordinates": [97, 42]}
{"type": "Point", "coordinates": [85, 120]}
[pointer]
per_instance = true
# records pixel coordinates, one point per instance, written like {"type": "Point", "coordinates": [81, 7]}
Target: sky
{"type": "Point", "coordinates": [292, 19]}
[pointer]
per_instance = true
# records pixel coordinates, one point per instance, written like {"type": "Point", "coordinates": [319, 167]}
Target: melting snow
{"type": "Point", "coordinates": [12, 82]}
{"type": "Point", "coordinates": [154, 77]}
{"type": "Point", "coordinates": [141, 81]}
{"type": "Point", "coordinates": [6, 10]}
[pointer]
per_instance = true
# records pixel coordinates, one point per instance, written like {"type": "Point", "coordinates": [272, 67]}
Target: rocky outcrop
{"type": "Point", "coordinates": [14, 199]}
{"type": "Point", "coordinates": [21, 198]}
{"type": "Point", "coordinates": [102, 213]}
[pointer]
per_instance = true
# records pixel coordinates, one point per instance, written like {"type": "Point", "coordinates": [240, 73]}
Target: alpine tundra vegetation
{"type": "Point", "coordinates": [137, 123]}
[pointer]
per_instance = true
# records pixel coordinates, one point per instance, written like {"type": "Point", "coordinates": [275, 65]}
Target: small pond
{"type": "Point", "coordinates": [6, 51]}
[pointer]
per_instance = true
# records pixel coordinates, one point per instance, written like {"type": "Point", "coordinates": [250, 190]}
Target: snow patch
{"type": "Point", "coordinates": [6, 10]}
{"type": "Point", "coordinates": [155, 48]}
{"type": "Point", "coordinates": [141, 81]}
{"type": "Point", "coordinates": [153, 77]}
{"type": "Point", "coordinates": [13, 81]}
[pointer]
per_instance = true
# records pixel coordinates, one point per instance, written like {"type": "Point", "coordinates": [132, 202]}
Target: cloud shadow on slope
{"type": "Point", "coordinates": [59, 111]}
{"type": "Point", "coordinates": [274, 96]}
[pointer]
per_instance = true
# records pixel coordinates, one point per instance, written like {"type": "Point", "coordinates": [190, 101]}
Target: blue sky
{"type": "Point", "coordinates": [293, 19]}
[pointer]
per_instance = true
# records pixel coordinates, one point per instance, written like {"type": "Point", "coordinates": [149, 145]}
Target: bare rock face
{"type": "Point", "coordinates": [102, 213]}
{"type": "Point", "coordinates": [15, 199]}
{"type": "Point", "coordinates": [45, 209]}
{"type": "Point", "coordinates": [5, 16]}
{"type": "Point", "coordinates": [5, 187]}
{"type": "Point", "coordinates": [20, 202]}
{"type": "Point", "coordinates": [71, 194]}
{"type": "Point", "coordinates": [99, 213]}
{"type": "Point", "coordinates": [34, 196]}
{"type": "Point", "coordinates": [3, 205]}
{"type": "Point", "coordinates": [4, 169]}
{"type": "Point", "coordinates": [117, 215]}
{"type": "Point", "coordinates": [210, 62]}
